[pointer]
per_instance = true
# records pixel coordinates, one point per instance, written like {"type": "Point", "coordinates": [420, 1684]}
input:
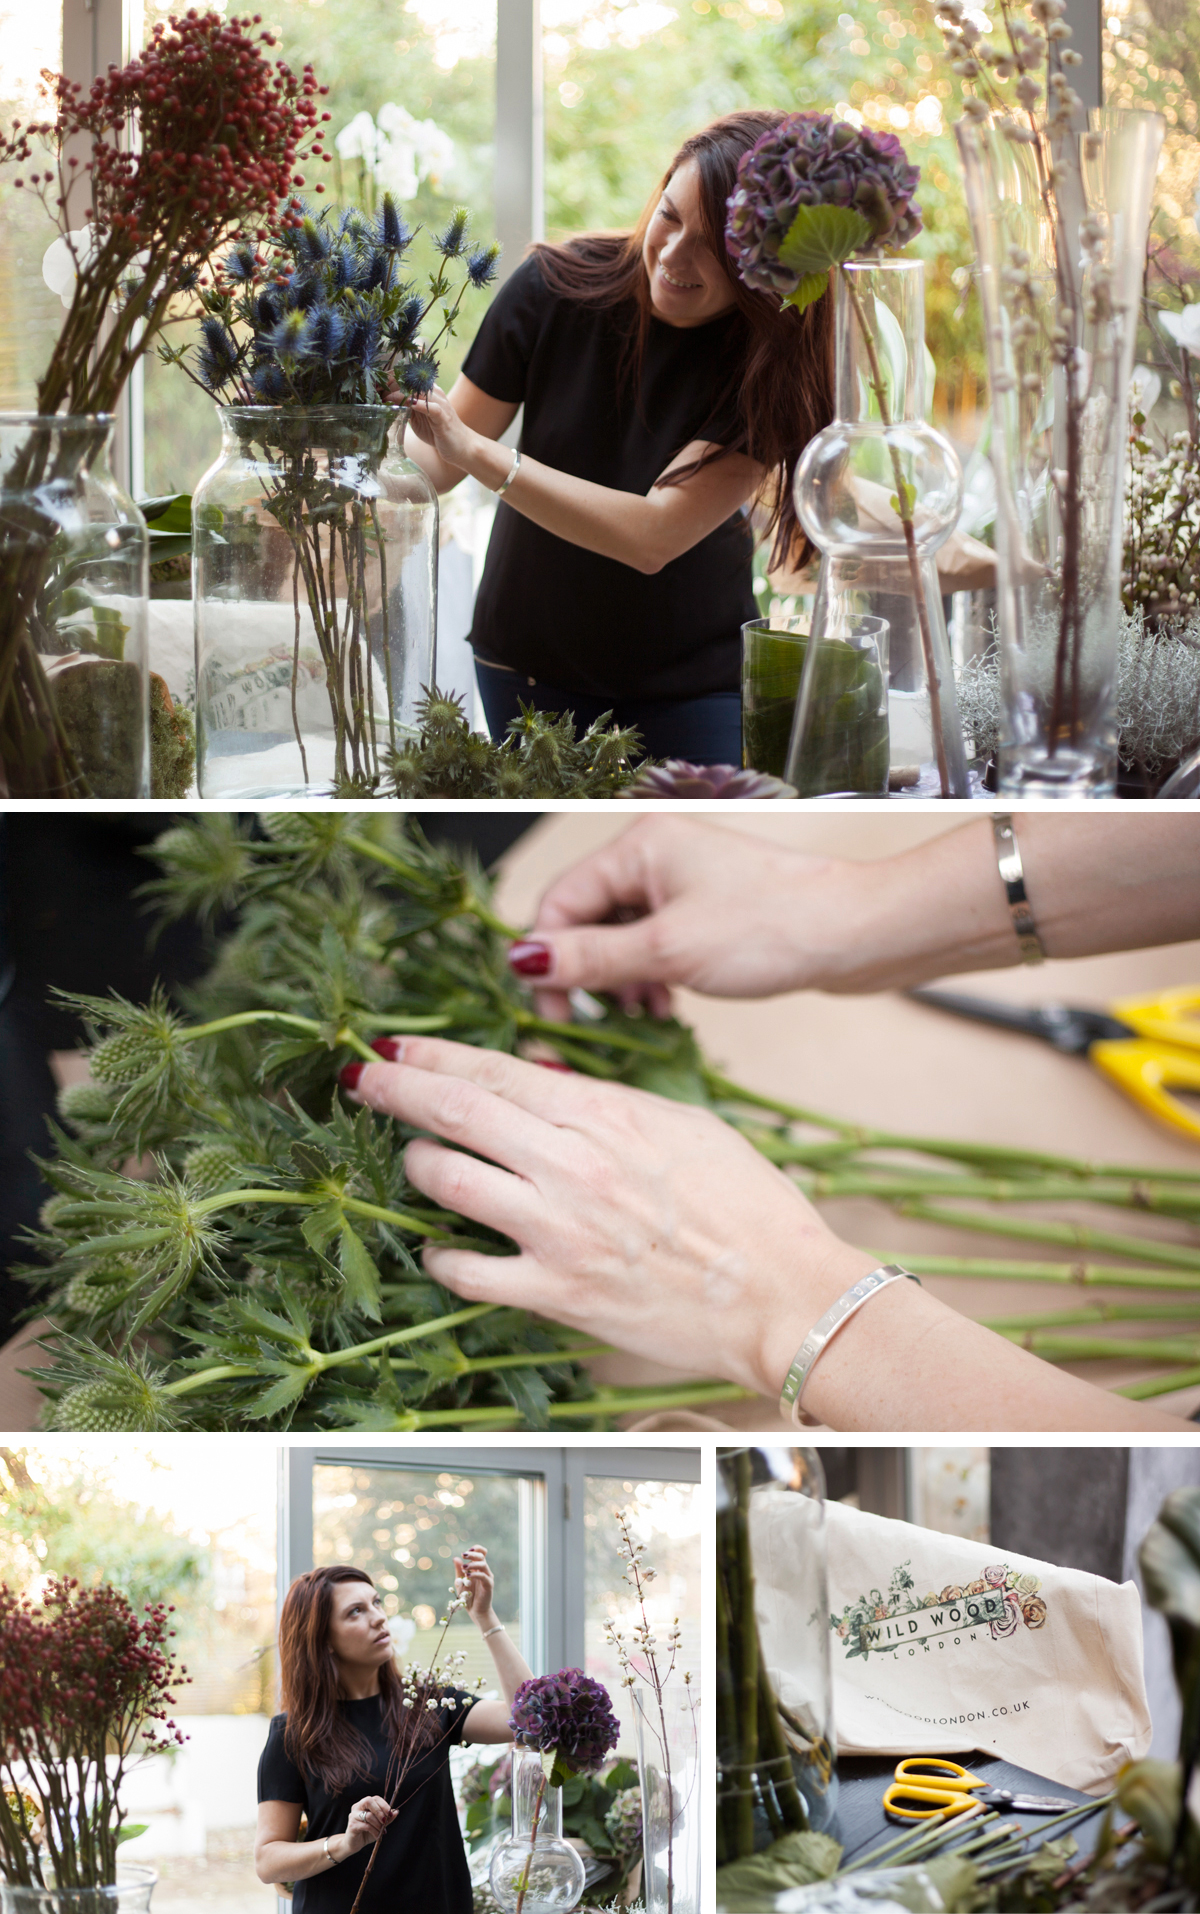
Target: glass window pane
{"type": "Point", "coordinates": [665, 1516]}
{"type": "Point", "coordinates": [30, 314]}
{"type": "Point", "coordinates": [426, 73]}
{"type": "Point", "coordinates": [949, 1490]}
{"type": "Point", "coordinates": [404, 1527]}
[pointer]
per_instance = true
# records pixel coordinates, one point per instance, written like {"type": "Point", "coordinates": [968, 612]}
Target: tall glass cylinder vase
{"type": "Point", "coordinates": [315, 566]}
{"type": "Point", "coordinates": [129, 1894]}
{"type": "Point", "coordinates": [878, 492]}
{"type": "Point", "coordinates": [535, 1871]}
{"type": "Point", "coordinates": [776, 1751]}
{"type": "Point", "coordinates": [74, 584]}
{"type": "Point", "coordinates": [1060, 271]}
{"type": "Point", "coordinates": [668, 1737]}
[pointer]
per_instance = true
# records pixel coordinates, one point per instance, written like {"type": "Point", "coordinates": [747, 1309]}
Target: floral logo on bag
{"type": "Point", "coordinates": [1002, 1599]}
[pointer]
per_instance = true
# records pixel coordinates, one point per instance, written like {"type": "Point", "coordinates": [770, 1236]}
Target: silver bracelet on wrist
{"type": "Point", "coordinates": [497, 1630]}
{"type": "Point", "coordinates": [822, 1333]}
{"type": "Point", "coordinates": [513, 469]}
{"type": "Point", "coordinates": [1012, 876]}
{"type": "Point", "coordinates": [328, 1856]}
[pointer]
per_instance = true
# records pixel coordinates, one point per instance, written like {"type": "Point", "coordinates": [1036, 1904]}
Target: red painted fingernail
{"type": "Point", "coordinates": [552, 1063]}
{"type": "Point", "coordinates": [391, 1049]}
{"type": "Point", "coordinates": [530, 959]}
{"type": "Point", "coordinates": [349, 1074]}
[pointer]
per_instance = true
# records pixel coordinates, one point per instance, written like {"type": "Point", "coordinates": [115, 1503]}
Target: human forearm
{"type": "Point", "coordinates": [299, 1860]}
{"type": "Point", "coordinates": [510, 1665]}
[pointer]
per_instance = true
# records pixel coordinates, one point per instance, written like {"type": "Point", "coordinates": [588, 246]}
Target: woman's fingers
{"type": "Point", "coordinates": [453, 1180]}
{"type": "Point", "coordinates": [525, 1086]}
{"type": "Point", "coordinates": [516, 1282]}
{"type": "Point", "coordinates": [452, 1097]}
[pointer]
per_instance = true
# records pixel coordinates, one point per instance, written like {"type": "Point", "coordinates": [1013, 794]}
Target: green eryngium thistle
{"type": "Point", "coordinates": [262, 1266]}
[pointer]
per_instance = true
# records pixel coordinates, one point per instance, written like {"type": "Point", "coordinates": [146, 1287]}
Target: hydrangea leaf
{"type": "Point", "coordinates": [808, 291]}
{"type": "Point", "coordinates": [823, 236]}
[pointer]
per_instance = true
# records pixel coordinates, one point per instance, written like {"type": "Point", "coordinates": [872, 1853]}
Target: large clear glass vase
{"type": "Point", "coordinates": [535, 1871]}
{"type": "Point", "coordinates": [668, 1739]}
{"type": "Point", "coordinates": [879, 491]}
{"type": "Point", "coordinates": [129, 1894]}
{"type": "Point", "coordinates": [74, 585]}
{"type": "Point", "coordinates": [776, 1751]}
{"type": "Point", "coordinates": [315, 568]}
{"type": "Point", "coordinates": [1060, 272]}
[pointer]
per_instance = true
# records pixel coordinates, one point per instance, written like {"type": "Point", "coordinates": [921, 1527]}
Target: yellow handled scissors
{"type": "Point", "coordinates": [1147, 1046]}
{"type": "Point", "coordinates": [926, 1785]}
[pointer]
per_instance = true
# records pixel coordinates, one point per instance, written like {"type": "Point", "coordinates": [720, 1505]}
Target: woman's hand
{"type": "Point", "coordinates": [435, 422]}
{"type": "Point", "coordinates": [473, 1578]}
{"type": "Point", "coordinates": [649, 1224]}
{"type": "Point", "coordinates": [369, 1818]}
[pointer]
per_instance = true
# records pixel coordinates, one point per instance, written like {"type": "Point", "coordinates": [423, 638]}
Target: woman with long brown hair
{"type": "Point", "coordinates": [353, 1754]}
{"type": "Point", "coordinates": [661, 398]}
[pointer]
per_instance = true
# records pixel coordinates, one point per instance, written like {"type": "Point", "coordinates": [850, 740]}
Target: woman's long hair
{"type": "Point", "coordinates": [318, 1738]}
{"type": "Point", "coordinates": [783, 386]}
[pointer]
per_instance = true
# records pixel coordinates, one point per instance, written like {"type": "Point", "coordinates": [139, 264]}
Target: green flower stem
{"type": "Point", "coordinates": [587, 1033]}
{"type": "Point", "coordinates": [1160, 1385]}
{"type": "Point", "coordinates": [227, 1372]}
{"type": "Point", "coordinates": [606, 1402]}
{"type": "Point", "coordinates": [892, 1185]}
{"type": "Point", "coordinates": [1070, 1235]}
{"type": "Point", "coordinates": [472, 905]}
{"type": "Point", "coordinates": [1176, 1349]}
{"type": "Point", "coordinates": [414, 1334]}
{"type": "Point", "coordinates": [311, 1199]}
{"type": "Point", "coordinates": [1085, 1275]}
{"type": "Point", "coordinates": [903, 509]}
{"type": "Point", "coordinates": [309, 1025]}
{"type": "Point", "coordinates": [1093, 1313]}
{"type": "Point", "coordinates": [477, 1365]}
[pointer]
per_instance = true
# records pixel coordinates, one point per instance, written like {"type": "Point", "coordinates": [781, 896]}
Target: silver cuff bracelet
{"type": "Point", "coordinates": [822, 1333]}
{"type": "Point", "coordinates": [1012, 876]}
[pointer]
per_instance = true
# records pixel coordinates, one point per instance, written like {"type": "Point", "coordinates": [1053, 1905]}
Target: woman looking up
{"type": "Point", "coordinates": [335, 1753]}
{"type": "Point", "coordinates": [660, 396]}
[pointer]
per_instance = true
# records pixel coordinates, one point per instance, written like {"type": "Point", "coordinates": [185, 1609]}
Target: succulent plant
{"type": "Point", "coordinates": [679, 779]}
{"type": "Point", "coordinates": [829, 189]}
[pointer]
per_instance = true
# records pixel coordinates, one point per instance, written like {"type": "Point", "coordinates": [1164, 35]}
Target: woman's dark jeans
{"type": "Point", "coordinates": [704, 730]}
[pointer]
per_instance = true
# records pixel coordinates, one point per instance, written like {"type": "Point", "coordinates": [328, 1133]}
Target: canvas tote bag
{"type": "Point", "coordinates": [941, 1645]}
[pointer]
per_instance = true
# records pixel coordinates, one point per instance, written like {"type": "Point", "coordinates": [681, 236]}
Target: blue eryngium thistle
{"type": "Point", "coordinates": [313, 241]}
{"type": "Point", "coordinates": [269, 382]}
{"type": "Point", "coordinates": [343, 269]}
{"type": "Point", "coordinates": [221, 350]}
{"type": "Point", "coordinates": [362, 342]}
{"type": "Point", "coordinates": [403, 328]}
{"type": "Point", "coordinates": [241, 265]}
{"type": "Point", "coordinates": [287, 337]}
{"type": "Point", "coordinates": [420, 375]}
{"type": "Point", "coordinates": [324, 335]}
{"type": "Point", "coordinates": [394, 233]}
{"type": "Point", "coordinates": [453, 241]}
{"type": "Point", "coordinates": [481, 264]}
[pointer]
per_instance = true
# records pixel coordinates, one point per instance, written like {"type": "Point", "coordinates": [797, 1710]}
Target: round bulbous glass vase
{"type": "Point", "coordinates": [1060, 280]}
{"type": "Point", "coordinates": [74, 589]}
{"type": "Point", "coordinates": [315, 566]}
{"type": "Point", "coordinates": [668, 1743]}
{"type": "Point", "coordinates": [776, 1748]}
{"type": "Point", "coordinates": [879, 491]}
{"type": "Point", "coordinates": [129, 1894]}
{"type": "Point", "coordinates": [535, 1871]}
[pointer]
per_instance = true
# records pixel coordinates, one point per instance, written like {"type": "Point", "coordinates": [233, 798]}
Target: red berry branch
{"type": "Point", "coordinates": [84, 1686]}
{"type": "Point", "coordinates": [199, 139]}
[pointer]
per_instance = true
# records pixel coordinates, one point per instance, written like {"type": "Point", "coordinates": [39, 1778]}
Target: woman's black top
{"type": "Point", "coordinates": [568, 617]}
{"type": "Point", "coordinates": [422, 1865]}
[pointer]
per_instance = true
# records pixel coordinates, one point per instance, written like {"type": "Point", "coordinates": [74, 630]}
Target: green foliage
{"type": "Point", "coordinates": [588, 1804]}
{"type": "Point", "coordinates": [820, 237]}
{"type": "Point", "coordinates": [540, 757]}
{"type": "Point", "coordinates": [265, 1271]}
{"type": "Point", "coordinates": [796, 1860]}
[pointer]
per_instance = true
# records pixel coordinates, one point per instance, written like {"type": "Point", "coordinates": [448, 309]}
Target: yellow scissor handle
{"type": "Point", "coordinates": [1147, 1072]}
{"type": "Point", "coordinates": [924, 1769]}
{"type": "Point", "coordinates": [934, 1800]}
{"type": "Point", "coordinates": [1169, 1016]}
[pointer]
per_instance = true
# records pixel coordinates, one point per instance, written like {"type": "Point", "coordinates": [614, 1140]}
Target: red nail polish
{"type": "Point", "coordinates": [530, 959]}
{"type": "Point", "coordinates": [553, 1063]}
{"type": "Point", "coordinates": [349, 1074]}
{"type": "Point", "coordinates": [391, 1049]}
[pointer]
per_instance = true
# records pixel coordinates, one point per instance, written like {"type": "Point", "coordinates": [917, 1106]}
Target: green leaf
{"type": "Point", "coordinates": [131, 1832]}
{"type": "Point", "coordinates": [823, 236]}
{"type": "Point", "coordinates": [321, 1225]}
{"type": "Point", "coordinates": [362, 1277]}
{"type": "Point", "coordinates": [292, 1383]}
{"type": "Point", "coordinates": [809, 290]}
{"type": "Point", "coordinates": [902, 502]}
{"type": "Point", "coordinates": [745, 1887]}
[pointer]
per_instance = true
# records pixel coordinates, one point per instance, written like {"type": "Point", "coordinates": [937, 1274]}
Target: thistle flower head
{"type": "Point", "coordinates": [242, 264]}
{"type": "Point", "coordinates": [482, 263]}
{"type": "Point", "coordinates": [452, 242]}
{"type": "Point", "coordinates": [420, 375]}
{"type": "Point", "coordinates": [393, 233]}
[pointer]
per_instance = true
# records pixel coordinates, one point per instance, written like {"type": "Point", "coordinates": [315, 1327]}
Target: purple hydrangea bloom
{"type": "Point", "coordinates": [812, 160]}
{"type": "Point", "coordinates": [568, 1713]}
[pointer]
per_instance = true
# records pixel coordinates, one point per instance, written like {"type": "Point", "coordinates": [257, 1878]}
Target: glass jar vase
{"type": "Point", "coordinates": [776, 1751]}
{"type": "Point", "coordinates": [668, 1740]}
{"type": "Point", "coordinates": [315, 566]}
{"type": "Point", "coordinates": [130, 1894]}
{"type": "Point", "coordinates": [1060, 280]}
{"type": "Point", "coordinates": [844, 720]}
{"type": "Point", "coordinates": [879, 491]}
{"type": "Point", "coordinates": [74, 583]}
{"type": "Point", "coordinates": [535, 1871]}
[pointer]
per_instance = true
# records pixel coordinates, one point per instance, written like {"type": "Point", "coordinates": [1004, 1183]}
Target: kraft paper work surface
{"type": "Point", "coordinates": [884, 1061]}
{"type": "Point", "coordinates": [862, 1823]}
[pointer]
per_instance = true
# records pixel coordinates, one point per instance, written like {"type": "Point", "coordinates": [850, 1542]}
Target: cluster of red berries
{"type": "Point", "coordinates": [221, 132]}
{"type": "Point", "coordinates": [83, 1676]}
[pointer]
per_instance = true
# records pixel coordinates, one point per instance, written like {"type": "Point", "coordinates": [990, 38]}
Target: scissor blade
{"type": "Point", "coordinates": [1069, 1029]}
{"type": "Point", "coordinates": [1039, 1804]}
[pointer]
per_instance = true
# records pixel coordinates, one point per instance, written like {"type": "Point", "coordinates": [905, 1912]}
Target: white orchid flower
{"type": "Point", "coordinates": [62, 260]}
{"type": "Point", "coordinates": [358, 140]}
{"type": "Point", "coordinates": [1144, 388]}
{"type": "Point", "coordinates": [1184, 327]}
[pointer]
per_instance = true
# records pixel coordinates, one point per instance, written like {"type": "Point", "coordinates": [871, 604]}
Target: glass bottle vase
{"type": "Point", "coordinates": [1060, 271]}
{"type": "Point", "coordinates": [535, 1871]}
{"type": "Point", "coordinates": [315, 567]}
{"type": "Point", "coordinates": [668, 1740]}
{"type": "Point", "coordinates": [129, 1894]}
{"type": "Point", "coordinates": [776, 1750]}
{"type": "Point", "coordinates": [74, 585]}
{"type": "Point", "coordinates": [879, 491]}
